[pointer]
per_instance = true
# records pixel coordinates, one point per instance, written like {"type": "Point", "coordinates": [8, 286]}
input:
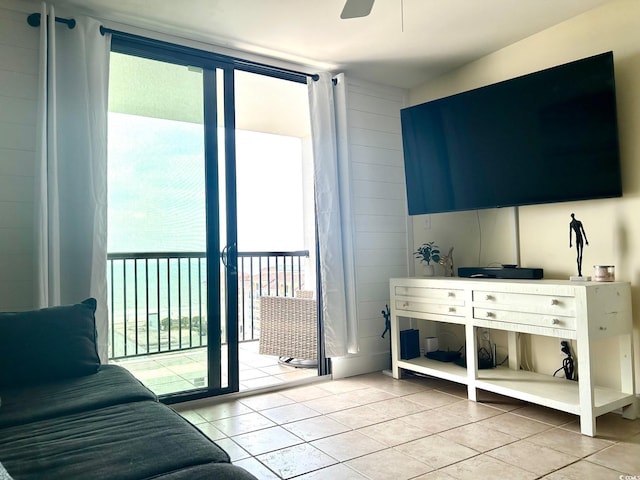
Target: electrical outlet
{"type": "Point", "coordinates": [485, 334]}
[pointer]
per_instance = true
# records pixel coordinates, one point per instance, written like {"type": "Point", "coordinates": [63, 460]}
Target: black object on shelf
{"type": "Point", "coordinates": [443, 356]}
{"type": "Point", "coordinates": [409, 344]}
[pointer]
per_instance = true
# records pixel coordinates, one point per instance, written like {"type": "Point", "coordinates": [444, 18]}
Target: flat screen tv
{"type": "Point", "coordinates": [550, 136]}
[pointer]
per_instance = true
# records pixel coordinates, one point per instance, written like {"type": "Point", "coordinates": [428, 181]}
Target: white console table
{"type": "Point", "coordinates": [580, 311]}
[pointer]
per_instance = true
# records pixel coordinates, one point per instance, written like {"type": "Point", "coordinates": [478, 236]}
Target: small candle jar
{"type": "Point", "coordinates": [604, 273]}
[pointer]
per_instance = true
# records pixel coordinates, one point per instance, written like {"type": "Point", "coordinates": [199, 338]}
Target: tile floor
{"type": "Point", "coordinates": [185, 370]}
{"type": "Point", "coordinates": [375, 427]}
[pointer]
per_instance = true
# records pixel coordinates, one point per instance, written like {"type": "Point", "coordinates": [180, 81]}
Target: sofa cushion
{"type": "Point", "coordinates": [123, 442]}
{"type": "Point", "coordinates": [48, 344]}
{"type": "Point", "coordinates": [111, 385]}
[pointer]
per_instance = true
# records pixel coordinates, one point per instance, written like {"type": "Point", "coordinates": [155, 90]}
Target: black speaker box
{"type": "Point", "coordinates": [409, 344]}
{"type": "Point", "coordinates": [501, 272]}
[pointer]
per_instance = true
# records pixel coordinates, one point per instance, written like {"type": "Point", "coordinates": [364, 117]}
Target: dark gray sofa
{"type": "Point", "coordinates": [65, 416]}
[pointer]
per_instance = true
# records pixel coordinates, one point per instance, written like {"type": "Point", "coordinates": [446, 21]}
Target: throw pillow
{"type": "Point", "coordinates": [48, 344]}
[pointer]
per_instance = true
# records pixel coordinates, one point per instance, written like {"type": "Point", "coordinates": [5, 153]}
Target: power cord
{"type": "Point", "coordinates": [567, 363]}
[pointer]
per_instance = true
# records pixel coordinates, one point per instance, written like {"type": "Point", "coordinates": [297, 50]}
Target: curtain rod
{"type": "Point", "coordinates": [34, 21]}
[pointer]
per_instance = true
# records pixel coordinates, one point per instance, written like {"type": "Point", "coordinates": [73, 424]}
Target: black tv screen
{"type": "Point", "coordinates": [550, 136]}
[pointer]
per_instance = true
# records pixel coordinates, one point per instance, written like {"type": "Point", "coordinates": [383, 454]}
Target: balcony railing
{"type": "Point", "coordinates": [158, 301]}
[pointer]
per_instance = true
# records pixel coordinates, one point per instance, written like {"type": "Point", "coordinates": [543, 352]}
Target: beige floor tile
{"type": "Point", "coordinates": [334, 472]}
{"type": "Point", "coordinates": [531, 457]}
{"type": "Point", "coordinates": [348, 445]}
{"type": "Point", "coordinates": [515, 425]}
{"type": "Point", "coordinates": [365, 396]}
{"type": "Point", "coordinates": [359, 417]}
{"type": "Point", "coordinates": [623, 457]}
{"type": "Point", "coordinates": [218, 411]}
{"type": "Point", "coordinates": [315, 428]}
{"type": "Point", "coordinates": [432, 398]}
{"type": "Point", "coordinates": [297, 460]}
{"type": "Point", "coordinates": [470, 411]}
{"type": "Point", "coordinates": [435, 475]}
{"type": "Point", "coordinates": [289, 413]}
{"type": "Point", "coordinates": [499, 401]}
{"type": "Point", "coordinates": [330, 404]}
{"type": "Point", "coordinates": [267, 440]}
{"type": "Point", "coordinates": [431, 421]}
{"type": "Point", "coordinates": [457, 389]}
{"type": "Point", "coordinates": [397, 407]}
{"type": "Point", "coordinates": [546, 415]}
{"type": "Point", "coordinates": [249, 422]}
{"type": "Point", "coordinates": [210, 431]}
{"type": "Point", "coordinates": [235, 451]}
{"type": "Point", "coordinates": [388, 464]}
{"type": "Point", "coordinates": [486, 468]}
{"type": "Point", "coordinates": [436, 451]}
{"type": "Point", "coordinates": [303, 394]}
{"type": "Point", "coordinates": [394, 432]}
{"type": "Point", "coordinates": [391, 385]}
{"type": "Point", "coordinates": [610, 426]}
{"type": "Point", "coordinates": [265, 400]}
{"type": "Point", "coordinates": [583, 470]}
{"type": "Point", "coordinates": [191, 416]}
{"type": "Point", "coordinates": [480, 438]}
{"type": "Point", "coordinates": [343, 385]}
{"type": "Point", "coordinates": [257, 469]}
{"type": "Point", "coordinates": [570, 442]}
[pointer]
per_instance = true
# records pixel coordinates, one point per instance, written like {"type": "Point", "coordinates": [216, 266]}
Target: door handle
{"type": "Point", "coordinates": [224, 255]}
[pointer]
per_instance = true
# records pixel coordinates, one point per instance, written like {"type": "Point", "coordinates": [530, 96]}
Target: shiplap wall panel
{"type": "Point", "coordinates": [18, 109]}
{"type": "Point", "coordinates": [378, 205]}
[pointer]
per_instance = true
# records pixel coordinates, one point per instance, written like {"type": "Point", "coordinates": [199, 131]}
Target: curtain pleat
{"type": "Point", "coordinates": [327, 106]}
{"type": "Point", "coordinates": [71, 167]}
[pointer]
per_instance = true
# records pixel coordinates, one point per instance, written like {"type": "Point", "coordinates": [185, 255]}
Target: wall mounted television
{"type": "Point", "coordinates": [549, 136]}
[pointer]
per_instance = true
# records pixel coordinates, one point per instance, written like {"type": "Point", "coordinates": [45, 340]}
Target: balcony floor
{"type": "Point", "coordinates": [185, 370]}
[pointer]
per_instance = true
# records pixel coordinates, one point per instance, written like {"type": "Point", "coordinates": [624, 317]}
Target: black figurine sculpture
{"type": "Point", "coordinates": [576, 226]}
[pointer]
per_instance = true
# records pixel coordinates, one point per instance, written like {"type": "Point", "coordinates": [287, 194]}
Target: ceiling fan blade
{"type": "Point", "coordinates": [356, 8]}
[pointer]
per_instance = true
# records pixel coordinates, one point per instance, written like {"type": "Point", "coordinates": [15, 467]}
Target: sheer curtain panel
{"type": "Point", "coordinates": [71, 166]}
{"type": "Point", "coordinates": [327, 105]}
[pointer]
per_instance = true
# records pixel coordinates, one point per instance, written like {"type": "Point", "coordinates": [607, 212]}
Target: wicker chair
{"type": "Point", "coordinates": [289, 328]}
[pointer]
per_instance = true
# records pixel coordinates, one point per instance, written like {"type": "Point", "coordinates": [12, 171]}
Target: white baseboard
{"type": "Point", "coordinates": [342, 367]}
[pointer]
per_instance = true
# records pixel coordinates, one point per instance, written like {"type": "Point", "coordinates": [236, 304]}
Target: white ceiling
{"type": "Point", "coordinates": [402, 42]}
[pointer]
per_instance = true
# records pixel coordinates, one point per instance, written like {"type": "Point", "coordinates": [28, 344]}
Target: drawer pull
{"type": "Point", "coordinates": [554, 302]}
{"type": "Point", "coordinates": [555, 321]}
{"type": "Point", "coordinates": [488, 297]}
{"type": "Point", "coordinates": [490, 315]}
{"type": "Point", "coordinates": [451, 294]}
{"type": "Point", "coordinates": [405, 305]}
{"type": "Point", "coordinates": [452, 309]}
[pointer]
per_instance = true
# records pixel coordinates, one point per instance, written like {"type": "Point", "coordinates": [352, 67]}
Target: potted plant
{"type": "Point", "coordinates": [426, 253]}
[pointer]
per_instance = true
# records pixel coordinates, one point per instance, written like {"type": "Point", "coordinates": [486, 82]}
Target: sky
{"type": "Point", "coordinates": [156, 187]}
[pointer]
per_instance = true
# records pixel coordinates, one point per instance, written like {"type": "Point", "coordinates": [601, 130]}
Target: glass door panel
{"type": "Point", "coordinates": [275, 218]}
{"type": "Point", "coordinates": [167, 321]}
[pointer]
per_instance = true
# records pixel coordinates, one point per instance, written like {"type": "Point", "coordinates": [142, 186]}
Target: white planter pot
{"type": "Point", "coordinates": [428, 270]}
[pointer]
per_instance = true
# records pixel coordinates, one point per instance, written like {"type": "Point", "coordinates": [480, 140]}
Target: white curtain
{"type": "Point", "coordinates": [327, 104]}
{"type": "Point", "coordinates": [71, 167]}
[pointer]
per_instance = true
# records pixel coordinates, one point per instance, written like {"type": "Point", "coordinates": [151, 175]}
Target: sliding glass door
{"type": "Point", "coordinates": [210, 209]}
{"type": "Point", "coordinates": [172, 225]}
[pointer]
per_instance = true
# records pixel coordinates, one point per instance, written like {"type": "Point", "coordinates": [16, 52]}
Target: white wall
{"type": "Point", "coordinates": [18, 105]}
{"type": "Point", "coordinates": [380, 215]}
{"type": "Point", "coordinates": [612, 226]}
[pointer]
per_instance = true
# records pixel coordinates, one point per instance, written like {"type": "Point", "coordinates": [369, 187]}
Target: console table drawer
{"type": "Point", "coordinates": [415, 305]}
{"type": "Point", "coordinates": [524, 318]}
{"type": "Point", "coordinates": [526, 303]}
{"type": "Point", "coordinates": [448, 295]}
